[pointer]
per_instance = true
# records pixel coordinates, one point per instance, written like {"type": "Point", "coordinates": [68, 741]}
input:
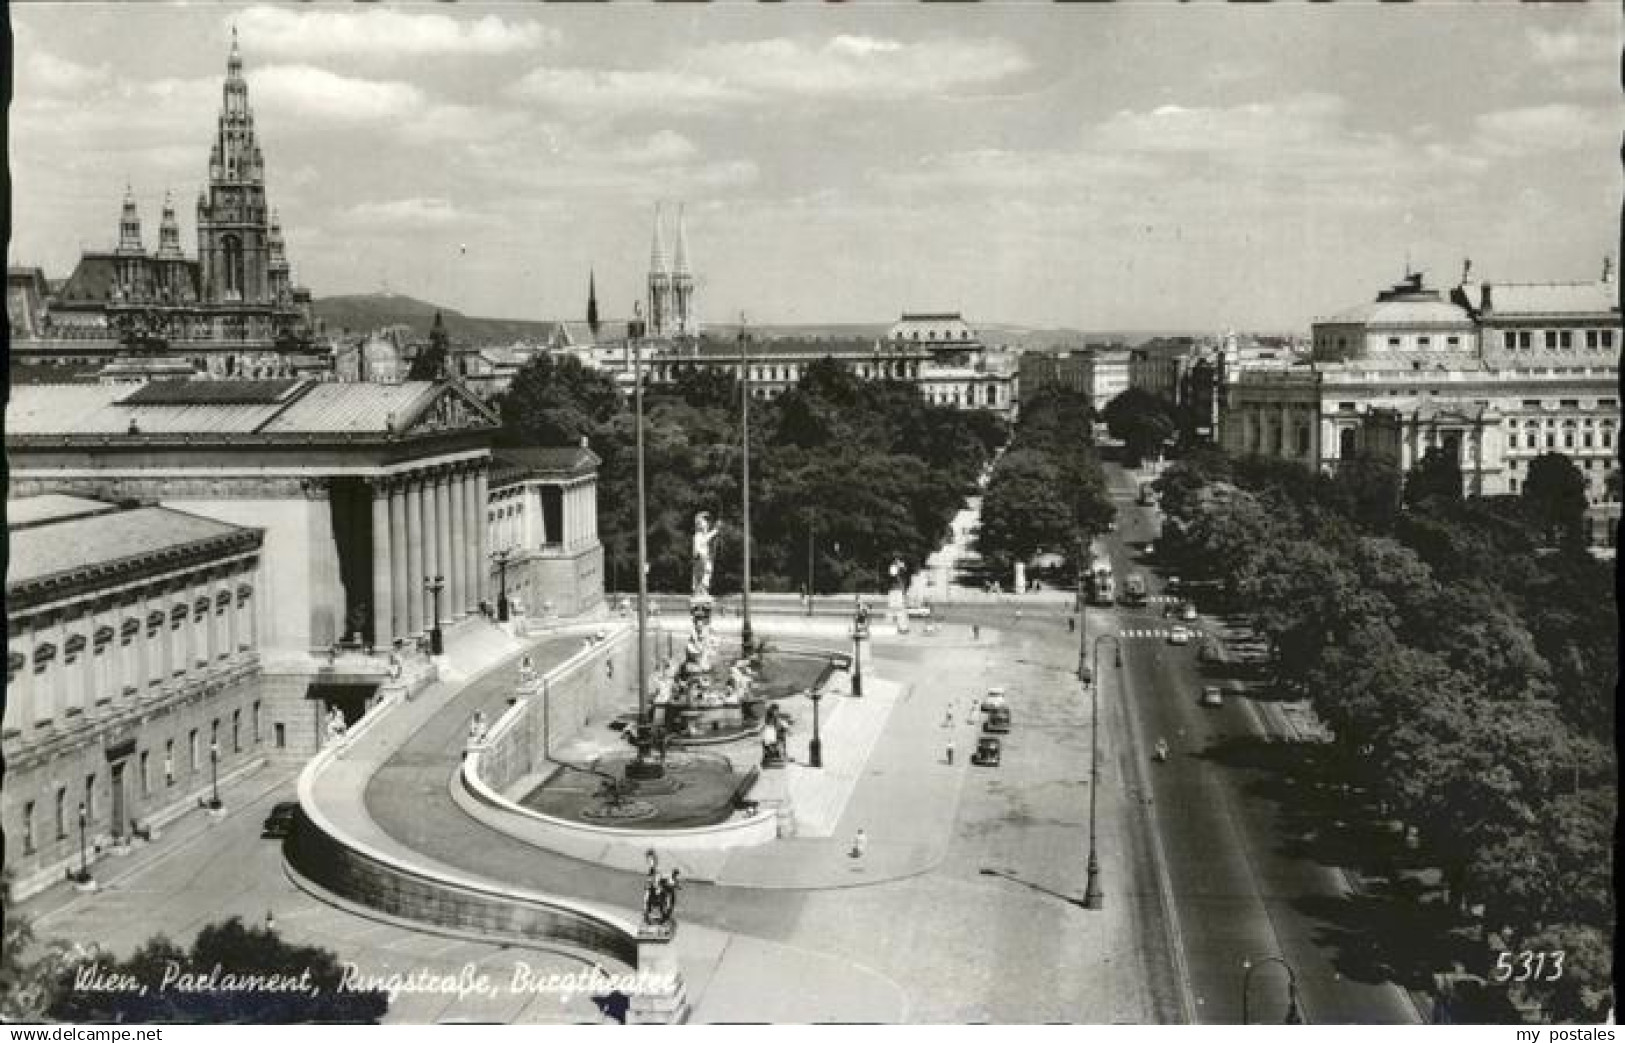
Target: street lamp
{"type": "Point", "coordinates": [434, 585]}
{"type": "Point", "coordinates": [860, 630]}
{"type": "Point", "coordinates": [214, 776]}
{"type": "Point", "coordinates": [815, 749]}
{"type": "Point", "coordinates": [810, 518]}
{"type": "Point", "coordinates": [1294, 1016]}
{"type": "Point", "coordinates": [501, 558]}
{"type": "Point", "coordinates": [84, 861]}
{"type": "Point", "coordinates": [1092, 896]}
{"type": "Point", "coordinates": [644, 766]}
{"type": "Point", "coordinates": [745, 635]}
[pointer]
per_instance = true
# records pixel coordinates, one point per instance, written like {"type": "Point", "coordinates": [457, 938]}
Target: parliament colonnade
{"type": "Point", "coordinates": [427, 522]}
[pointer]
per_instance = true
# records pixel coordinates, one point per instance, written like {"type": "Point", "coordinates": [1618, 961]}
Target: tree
{"type": "Point", "coordinates": [430, 363]}
{"type": "Point", "coordinates": [1555, 494]}
{"type": "Point", "coordinates": [555, 400]}
{"type": "Point", "coordinates": [1024, 510]}
{"type": "Point", "coordinates": [299, 984]}
{"type": "Point", "coordinates": [1436, 476]}
{"type": "Point", "coordinates": [1143, 421]}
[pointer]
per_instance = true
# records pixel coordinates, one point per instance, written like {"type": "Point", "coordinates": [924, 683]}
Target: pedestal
{"type": "Point", "coordinates": [662, 996]}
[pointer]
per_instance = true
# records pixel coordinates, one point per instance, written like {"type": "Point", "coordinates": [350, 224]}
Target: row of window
{"type": "Point", "coordinates": [1532, 439]}
{"type": "Point", "coordinates": [1557, 340]}
{"type": "Point", "coordinates": [90, 805]}
{"type": "Point", "coordinates": [46, 652]}
{"type": "Point", "coordinates": [1451, 341]}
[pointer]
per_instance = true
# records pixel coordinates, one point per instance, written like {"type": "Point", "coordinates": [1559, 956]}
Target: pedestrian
{"type": "Point", "coordinates": [950, 751]}
{"type": "Point", "coordinates": [859, 843]}
{"type": "Point", "coordinates": [949, 721]}
{"type": "Point", "coordinates": [1071, 624]}
{"type": "Point", "coordinates": [976, 631]}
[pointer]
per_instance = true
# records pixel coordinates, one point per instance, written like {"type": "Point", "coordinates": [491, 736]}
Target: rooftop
{"type": "Point", "coordinates": [508, 465]}
{"type": "Point", "coordinates": [268, 409]}
{"type": "Point", "coordinates": [38, 510]}
{"type": "Point", "coordinates": [41, 552]}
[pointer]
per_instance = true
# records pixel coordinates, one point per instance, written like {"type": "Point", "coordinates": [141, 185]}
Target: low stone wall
{"type": "Point", "coordinates": [363, 873]}
{"type": "Point", "coordinates": [619, 847]}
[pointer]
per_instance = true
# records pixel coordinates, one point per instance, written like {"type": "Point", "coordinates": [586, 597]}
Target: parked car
{"type": "Point", "coordinates": [997, 722]}
{"type": "Point", "coordinates": [1179, 635]}
{"type": "Point", "coordinates": [995, 699]}
{"type": "Point", "coordinates": [1212, 696]}
{"type": "Point", "coordinates": [281, 821]}
{"type": "Point", "coordinates": [988, 753]}
{"type": "Point", "coordinates": [1172, 585]}
{"type": "Point", "coordinates": [1187, 611]}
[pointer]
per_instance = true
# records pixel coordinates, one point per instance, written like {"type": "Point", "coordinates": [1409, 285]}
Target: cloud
{"type": "Point", "coordinates": [395, 214]}
{"type": "Point", "coordinates": [381, 33]}
{"type": "Point", "coordinates": [303, 91]}
{"type": "Point", "coordinates": [761, 72]}
{"type": "Point", "coordinates": [1543, 129]}
{"type": "Point", "coordinates": [1578, 49]}
{"type": "Point", "coordinates": [41, 72]}
{"type": "Point", "coordinates": [595, 92]}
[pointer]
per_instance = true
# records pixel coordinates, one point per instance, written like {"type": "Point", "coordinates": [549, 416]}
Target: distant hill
{"type": "Point", "coordinates": [365, 312]}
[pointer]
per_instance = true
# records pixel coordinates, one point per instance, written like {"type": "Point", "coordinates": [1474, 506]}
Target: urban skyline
{"type": "Point", "coordinates": [1201, 169]}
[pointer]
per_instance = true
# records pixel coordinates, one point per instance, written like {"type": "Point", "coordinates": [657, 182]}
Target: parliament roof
{"type": "Point", "coordinates": [510, 465]}
{"type": "Point", "coordinates": [247, 410]}
{"type": "Point", "coordinates": [47, 558]}
{"type": "Point", "coordinates": [51, 507]}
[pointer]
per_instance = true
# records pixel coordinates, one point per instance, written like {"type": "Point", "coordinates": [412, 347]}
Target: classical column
{"type": "Point", "coordinates": [20, 693]}
{"type": "Point", "coordinates": [442, 537]}
{"type": "Point", "coordinates": [482, 556]}
{"type": "Point", "coordinates": [414, 555]}
{"type": "Point", "coordinates": [383, 599]}
{"type": "Point", "coordinates": [469, 546]}
{"type": "Point", "coordinates": [457, 561]}
{"type": "Point", "coordinates": [398, 588]}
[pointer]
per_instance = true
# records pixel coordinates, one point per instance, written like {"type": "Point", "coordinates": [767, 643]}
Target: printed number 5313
{"type": "Point", "coordinates": [1529, 966]}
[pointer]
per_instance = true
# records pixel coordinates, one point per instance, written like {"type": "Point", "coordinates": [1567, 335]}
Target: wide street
{"type": "Point", "coordinates": [1240, 887]}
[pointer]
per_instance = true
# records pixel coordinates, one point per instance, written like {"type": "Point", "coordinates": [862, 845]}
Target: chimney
{"type": "Point", "coordinates": [1484, 304]}
{"type": "Point", "coordinates": [1467, 271]}
{"type": "Point", "coordinates": [1607, 270]}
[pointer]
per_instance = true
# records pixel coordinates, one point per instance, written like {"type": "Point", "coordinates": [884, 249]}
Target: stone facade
{"type": "Point", "coordinates": [133, 678]}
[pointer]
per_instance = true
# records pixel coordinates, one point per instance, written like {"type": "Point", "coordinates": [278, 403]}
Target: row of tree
{"type": "Point", "coordinates": [1046, 492]}
{"type": "Point", "coordinates": [846, 474]}
{"type": "Point", "coordinates": [1465, 665]}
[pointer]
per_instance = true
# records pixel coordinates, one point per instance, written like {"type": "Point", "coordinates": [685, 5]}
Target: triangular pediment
{"type": "Point", "coordinates": [452, 407]}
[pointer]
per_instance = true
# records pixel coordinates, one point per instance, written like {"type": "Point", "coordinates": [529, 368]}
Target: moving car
{"type": "Point", "coordinates": [997, 723]}
{"type": "Point", "coordinates": [1212, 696]}
{"type": "Point", "coordinates": [988, 751]}
{"type": "Point", "coordinates": [1187, 611]}
{"type": "Point", "coordinates": [1179, 635]}
{"type": "Point", "coordinates": [281, 821]}
{"type": "Point", "coordinates": [995, 699]}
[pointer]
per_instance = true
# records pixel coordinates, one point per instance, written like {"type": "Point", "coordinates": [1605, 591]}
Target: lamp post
{"type": "Point", "coordinates": [434, 585]}
{"type": "Point", "coordinates": [501, 558]}
{"type": "Point", "coordinates": [815, 748]}
{"type": "Point", "coordinates": [1092, 896]}
{"type": "Point", "coordinates": [84, 861]}
{"type": "Point", "coordinates": [860, 630]}
{"type": "Point", "coordinates": [1294, 1015]}
{"type": "Point", "coordinates": [746, 638]}
{"type": "Point", "coordinates": [810, 517]}
{"type": "Point", "coordinates": [644, 765]}
{"type": "Point", "coordinates": [214, 776]}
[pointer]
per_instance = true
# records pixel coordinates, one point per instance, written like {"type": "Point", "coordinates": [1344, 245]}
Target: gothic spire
{"type": "Point", "coordinates": [592, 302]}
{"type": "Point", "coordinates": [169, 231]}
{"type": "Point", "coordinates": [129, 226]}
{"type": "Point", "coordinates": [679, 264]}
{"type": "Point", "coordinates": [658, 264]}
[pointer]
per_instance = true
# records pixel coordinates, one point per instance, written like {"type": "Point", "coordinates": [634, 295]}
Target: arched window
{"type": "Point", "coordinates": [104, 637]}
{"type": "Point", "coordinates": [128, 631]}
{"type": "Point", "coordinates": [222, 601]}
{"type": "Point", "coordinates": [73, 648]}
{"type": "Point", "coordinates": [231, 250]}
{"type": "Point", "coordinates": [200, 608]}
{"type": "Point", "coordinates": [43, 655]}
{"type": "Point", "coordinates": [155, 623]}
{"type": "Point", "coordinates": [177, 616]}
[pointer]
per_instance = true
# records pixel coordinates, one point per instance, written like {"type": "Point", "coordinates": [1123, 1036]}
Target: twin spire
{"type": "Point", "coordinates": [671, 283]}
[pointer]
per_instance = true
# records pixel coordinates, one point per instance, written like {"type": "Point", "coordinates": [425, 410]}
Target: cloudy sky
{"type": "Point", "coordinates": [1128, 166]}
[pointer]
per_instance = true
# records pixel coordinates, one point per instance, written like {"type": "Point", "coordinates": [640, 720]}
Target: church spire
{"type": "Point", "coordinates": [679, 265]}
{"type": "Point", "coordinates": [658, 264]}
{"type": "Point", "coordinates": [169, 231]}
{"type": "Point", "coordinates": [592, 302]}
{"type": "Point", "coordinates": [129, 226]}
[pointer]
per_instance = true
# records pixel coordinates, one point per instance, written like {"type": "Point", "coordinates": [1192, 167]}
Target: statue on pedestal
{"type": "Point", "coordinates": [660, 896]}
{"type": "Point", "coordinates": [527, 670]}
{"type": "Point", "coordinates": [705, 533]}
